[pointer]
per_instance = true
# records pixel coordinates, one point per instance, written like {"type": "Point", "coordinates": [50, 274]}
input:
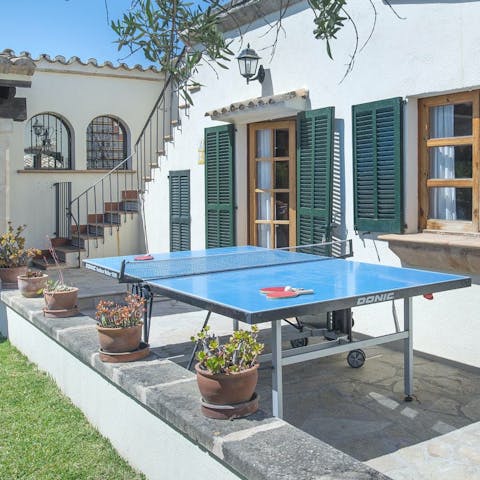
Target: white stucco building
{"type": "Point", "coordinates": [82, 119]}
{"type": "Point", "coordinates": [398, 136]}
{"type": "Point", "coordinates": [387, 155]}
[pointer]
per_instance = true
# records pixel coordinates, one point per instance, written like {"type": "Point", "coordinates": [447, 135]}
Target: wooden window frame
{"type": "Point", "coordinates": [289, 124]}
{"type": "Point", "coordinates": [424, 143]}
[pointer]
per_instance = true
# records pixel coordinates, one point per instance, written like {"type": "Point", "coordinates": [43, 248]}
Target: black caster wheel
{"type": "Point", "coordinates": [356, 358]}
{"type": "Point", "coordinates": [299, 342]}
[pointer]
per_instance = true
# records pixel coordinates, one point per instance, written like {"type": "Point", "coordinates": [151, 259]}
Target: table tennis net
{"type": "Point", "coordinates": [198, 265]}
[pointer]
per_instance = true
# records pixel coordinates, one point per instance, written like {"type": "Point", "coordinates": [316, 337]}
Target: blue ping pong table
{"type": "Point", "coordinates": [227, 281]}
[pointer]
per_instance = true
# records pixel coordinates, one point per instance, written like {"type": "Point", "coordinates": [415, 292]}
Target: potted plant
{"type": "Point", "coordinates": [60, 299]}
{"type": "Point", "coordinates": [227, 374]}
{"type": "Point", "coordinates": [32, 283]}
{"type": "Point", "coordinates": [14, 256]}
{"type": "Point", "coordinates": [119, 328]}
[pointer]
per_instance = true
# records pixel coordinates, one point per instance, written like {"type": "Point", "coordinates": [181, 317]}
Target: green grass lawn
{"type": "Point", "coordinates": [43, 435]}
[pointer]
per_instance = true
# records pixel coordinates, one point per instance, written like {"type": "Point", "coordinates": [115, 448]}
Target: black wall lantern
{"type": "Point", "coordinates": [247, 62]}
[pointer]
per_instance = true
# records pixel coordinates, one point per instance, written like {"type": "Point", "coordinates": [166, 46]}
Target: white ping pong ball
{"type": "Point", "coordinates": [288, 289]}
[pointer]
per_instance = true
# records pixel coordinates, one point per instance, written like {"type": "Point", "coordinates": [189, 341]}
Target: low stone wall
{"type": "Point", "coordinates": [150, 410]}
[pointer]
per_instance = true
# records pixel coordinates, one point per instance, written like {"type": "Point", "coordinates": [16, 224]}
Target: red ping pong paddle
{"type": "Point", "coordinates": [143, 257]}
{"type": "Point", "coordinates": [284, 292]}
{"type": "Point", "coordinates": [272, 289]}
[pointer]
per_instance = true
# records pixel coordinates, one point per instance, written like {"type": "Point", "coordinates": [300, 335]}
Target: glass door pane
{"type": "Point", "coordinates": [281, 174]}
{"type": "Point", "coordinates": [264, 175]}
{"type": "Point", "coordinates": [282, 236]}
{"type": "Point", "coordinates": [281, 142]}
{"type": "Point", "coordinates": [271, 194]}
{"type": "Point", "coordinates": [281, 206]}
{"type": "Point", "coordinates": [263, 143]}
{"type": "Point", "coordinates": [264, 211]}
{"type": "Point", "coordinates": [264, 237]}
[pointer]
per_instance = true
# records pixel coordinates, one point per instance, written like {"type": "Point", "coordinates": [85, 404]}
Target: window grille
{"type": "Point", "coordinates": [47, 143]}
{"type": "Point", "coordinates": [106, 143]}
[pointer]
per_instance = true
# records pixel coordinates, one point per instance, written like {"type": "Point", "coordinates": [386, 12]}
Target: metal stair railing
{"type": "Point", "coordinates": [100, 207]}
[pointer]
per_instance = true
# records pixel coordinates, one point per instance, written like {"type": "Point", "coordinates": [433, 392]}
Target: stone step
{"type": "Point", "coordinates": [114, 218]}
{"type": "Point", "coordinates": [97, 229]}
{"type": "Point", "coordinates": [130, 195]}
{"type": "Point", "coordinates": [67, 258]}
{"type": "Point", "coordinates": [119, 207]}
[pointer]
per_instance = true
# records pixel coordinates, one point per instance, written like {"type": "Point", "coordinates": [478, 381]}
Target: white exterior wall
{"type": "Point", "coordinates": [156, 451]}
{"type": "Point", "coordinates": [77, 93]}
{"type": "Point", "coordinates": [434, 48]}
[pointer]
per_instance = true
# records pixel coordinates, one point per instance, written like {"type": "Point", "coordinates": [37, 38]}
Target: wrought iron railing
{"type": "Point", "coordinates": [99, 209]}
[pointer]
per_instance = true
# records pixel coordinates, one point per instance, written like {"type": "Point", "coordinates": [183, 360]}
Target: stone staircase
{"type": "Point", "coordinates": [115, 227]}
{"type": "Point", "coordinates": [116, 231]}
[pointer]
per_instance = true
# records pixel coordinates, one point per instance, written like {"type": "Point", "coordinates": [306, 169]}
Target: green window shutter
{"type": "Point", "coordinates": [219, 187]}
{"type": "Point", "coordinates": [377, 166]}
{"type": "Point", "coordinates": [314, 175]}
{"type": "Point", "coordinates": [179, 210]}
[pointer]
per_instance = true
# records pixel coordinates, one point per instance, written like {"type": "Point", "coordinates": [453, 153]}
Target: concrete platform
{"type": "Point", "coordinates": [358, 411]}
{"type": "Point", "coordinates": [362, 411]}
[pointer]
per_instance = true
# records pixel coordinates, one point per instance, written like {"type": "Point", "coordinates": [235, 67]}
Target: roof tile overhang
{"type": "Point", "coordinates": [262, 108]}
{"type": "Point", "coordinates": [237, 13]}
{"type": "Point", "coordinates": [16, 70]}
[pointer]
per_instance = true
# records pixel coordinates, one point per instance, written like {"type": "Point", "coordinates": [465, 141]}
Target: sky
{"type": "Point", "coordinates": [64, 27]}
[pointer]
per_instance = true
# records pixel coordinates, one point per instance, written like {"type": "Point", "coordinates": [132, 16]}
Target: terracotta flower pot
{"type": "Point", "coordinates": [227, 389]}
{"type": "Point", "coordinates": [32, 286]}
{"type": "Point", "coordinates": [119, 340]}
{"type": "Point", "coordinates": [8, 275]}
{"type": "Point", "coordinates": [61, 300]}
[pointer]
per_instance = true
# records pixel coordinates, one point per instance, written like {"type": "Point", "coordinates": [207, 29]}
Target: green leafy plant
{"type": "Point", "coordinates": [57, 286]}
{"type": "Point", "coordinates": [238, 354]}
{"type": "Point", "coordinates": [112, 315]}
{"type": "Point", "coordinates": [12, 248]}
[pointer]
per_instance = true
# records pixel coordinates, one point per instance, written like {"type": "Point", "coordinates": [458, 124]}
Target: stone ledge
{"type": "Point", "coordinates": [449, 252]}
{"type": "Point", "coordinates": [258, 447]}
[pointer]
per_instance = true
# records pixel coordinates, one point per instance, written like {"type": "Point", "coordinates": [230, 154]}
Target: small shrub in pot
{"type": "Point", "coordinates": [119, 326]}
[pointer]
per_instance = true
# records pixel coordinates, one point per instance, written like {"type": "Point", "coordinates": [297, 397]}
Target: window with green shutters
{"type": "Point", "coordinates": [377, 166]}
{"type": "Point", "coordinates": [219, 187]}
{"type": "Point", "coordinates": [315, 129]}
{"type": "Point", "coordinates": [179, 210]}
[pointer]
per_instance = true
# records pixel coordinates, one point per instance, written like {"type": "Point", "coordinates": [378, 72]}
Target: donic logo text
{"type": "Point", "coordinates": [382, 297]}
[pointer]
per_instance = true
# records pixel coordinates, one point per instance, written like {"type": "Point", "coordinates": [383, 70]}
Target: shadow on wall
{"type": "Point", "coordinates": [339, 231]}
{"type": "Point", "coordinates": [3, 321]}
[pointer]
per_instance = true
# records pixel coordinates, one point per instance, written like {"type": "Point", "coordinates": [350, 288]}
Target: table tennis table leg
{"type": "Point", "coordinates": [195, 348]}
{"type": "Point", "coordinates": [408, 349]}
{"type": "Point", "coordinates": [277, 385]}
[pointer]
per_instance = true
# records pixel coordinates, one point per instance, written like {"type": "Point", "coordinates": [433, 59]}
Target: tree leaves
{"type": "Point", "coordinates": [329, 19]}
{"type": "Point", "coordinates": [166, 29]}
{"type": "Point", "coordinates": [178, 35]}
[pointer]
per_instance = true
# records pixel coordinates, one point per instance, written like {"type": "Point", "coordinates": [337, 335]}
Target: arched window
{"type": "Point", "coordinates": [47, 143]}
{"type": "Point", "coordinates": [106, 143]}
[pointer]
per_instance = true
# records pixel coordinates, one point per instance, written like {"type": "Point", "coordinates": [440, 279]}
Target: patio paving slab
{"type": "Point", "coordinates": [361, 411]}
